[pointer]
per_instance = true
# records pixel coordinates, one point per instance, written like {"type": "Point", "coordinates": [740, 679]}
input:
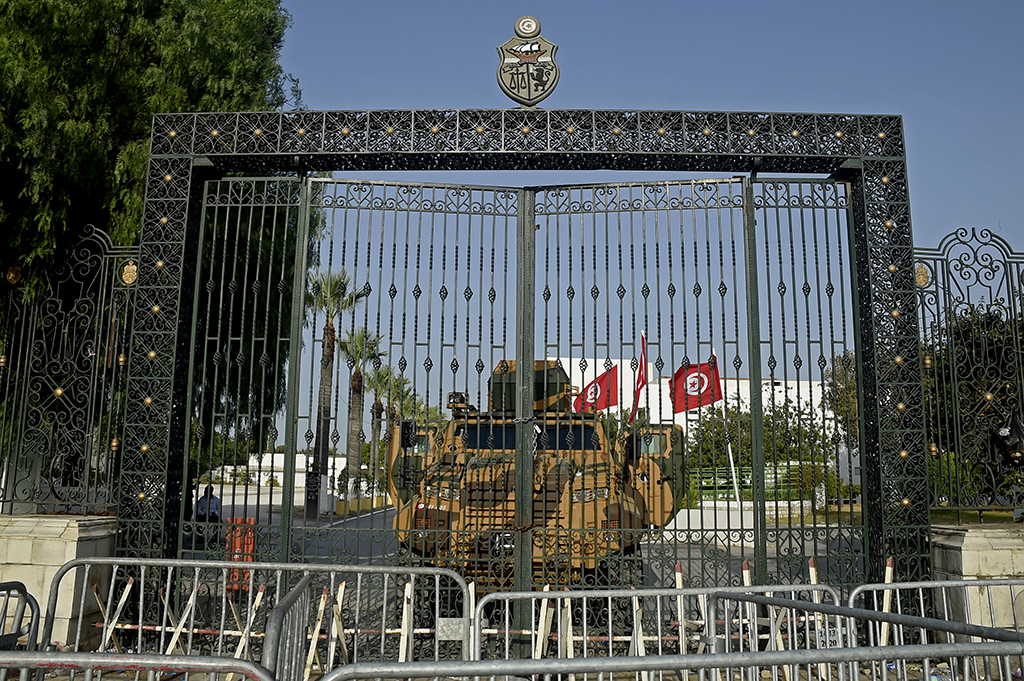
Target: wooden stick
{"type": "Point", "coordinates": [109, 631]}
{"type": "Point", "coordinates": [822, 626]}
{"type": "Point", "coordinates": [315, 638]}
{"type": "Point", "coordinates": [337, 630]}
{"type": "Point", "coordinates": [748, 580]}
{"type": "Point", "coordinates": [170, 617]}
{"type": "Point", "coordinates": [243, 642]}
{"type": "Point", "coordinates": [890, 564]}
{"type": "Point", "coordinates": [406, 640]}
{"type": "Point", "coordinates": [544, 632]}
{"type": "Point", "coordinates": [184, 618]}
{"type": "Point", "coordinates": [637, 646]}
{"type": "Point", "coordinates": [103, 614]}
{"type": "Point", "coordinates": [682, 619]}
{"type": "Point", "coordinates": [566, 645]}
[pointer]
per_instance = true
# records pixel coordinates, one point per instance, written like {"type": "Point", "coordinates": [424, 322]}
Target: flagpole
{"type": "Point", "coordinates": [728, 448]}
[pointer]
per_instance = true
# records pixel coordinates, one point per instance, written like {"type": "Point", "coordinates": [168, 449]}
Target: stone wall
{"type": "Point", "coordinates": [979, 552]}
{"type": "Point", "coordinates": [32, 550]}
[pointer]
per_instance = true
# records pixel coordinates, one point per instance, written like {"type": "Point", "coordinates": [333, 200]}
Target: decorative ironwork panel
{"type": "Point", "coordinates": [812, 462]}
{"type": "Point", "coordinates": [62, 382]}
{"type": "Point", "coordinates": [238, 379]}
{"type": "Point", "coordinates": [148, 509]}
{"type": "Point", "coordinates": [971, 311]}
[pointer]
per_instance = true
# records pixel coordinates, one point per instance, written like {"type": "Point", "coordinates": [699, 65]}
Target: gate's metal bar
{"type": "Point", "coordinates": [291, 438]}
{"type": "Point", "coordinates": [526, 253]}
{"type": "Point", "coordinates": [754, 369]}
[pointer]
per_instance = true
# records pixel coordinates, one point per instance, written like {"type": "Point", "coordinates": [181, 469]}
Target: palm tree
{"type": "Point", "coordinates": [382, 382]}
{"type": "Point", "coordinates": [360, 347]}
{"type": "Point", "coordinates": [330, 293]}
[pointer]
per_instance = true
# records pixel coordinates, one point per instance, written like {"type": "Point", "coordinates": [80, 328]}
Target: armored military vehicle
{"type": "Point", "coordinates": [593, 498]}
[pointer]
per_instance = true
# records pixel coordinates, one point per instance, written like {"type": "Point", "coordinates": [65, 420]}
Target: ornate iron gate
{"type": "Point", "coordinates": [864, 151]}
{"type": "Point", "coordinates": [62, 382]}
{"type": "Point", "coordinates": [971, 307]}
{"type": "Point", "coordinates": [331, 314]}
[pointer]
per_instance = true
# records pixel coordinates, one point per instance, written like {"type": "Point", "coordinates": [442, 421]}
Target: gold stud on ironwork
{"type": "Point", "coordinates": [895, 314]}
{"type": "Point", "coordinates": [300, 132]}
{"type": "Point", "coordinates": [904, 454]}
{"type": "Point", "coordinates": [151, 354]}
{"type": "Point", "coordinates": [163, 221]}
{"type": "Point", "coordinates": [3, 360]}
{"type": "Point", "coordinates": [898, 360]}
{"type": "Point", "coordinates": [59, 392]}
{"type": "Point", "coordinates": [662, 131]}
{"type": "Point", "coordinates": [906, 502]}
{"type": "Point", "coordinates": [795, 133]}
{"type": "Point", "coordinates": [172, 134]}
{"type": "Point", "coordinates": [989, 397]}
{"type": "Point", "coordinates": [214, 133]}
{"type": "Point", "coordinates": [148, 401]}
{"type": "Point", "coordinates": [707, 132]}
{"type": "Point", "coordinates": [839, 134]}
{"type": "Point", "coordinates": [751, 132]}
{"type": "Point", "coordinates": [885, 180]}
{"type": "Point", "coordinates": [933, 449]}
{"type": "Point", "coordinates": [155, 309]}
{"type": "Point", "coordinates": [901, 407]}
{"type": "Point", "coordinates": [889, 224]}
{"type": "Point", "coordinates": [344, 132]}
{"type": "Point", "coordinates": [115, 443]}
{"type": "Point", "coordinates": [526, 130]}
{"type": "Point", "coordinates": [167, 178]}
{"type": "Point", "coordinates": [257, 132]}
{"type": "Point", "coordinates": [389, 130]}
{"type": "Point", "coordinates": [616, 131]}
{"type": "Point", "coordinates": [159, 264]}
{"type": "Point", "coordinates": [141, 496]}
{"type": "Point", "coordinates": [122, 359]}
{"type": "Point", "coordinates": [571, 130]}
{"type": "Point", "coordinates": [144, 449]}
{"type": "Point", "coordinates": [434, 130]}
{"type": "Point", "coordinates": [881, 135]}
{"type": "Point", "coordinates": [927, 362]}
{"type": "Point", "coordinates": [892, 268]}
{"type": "Point", "coordinates": [479, 129]}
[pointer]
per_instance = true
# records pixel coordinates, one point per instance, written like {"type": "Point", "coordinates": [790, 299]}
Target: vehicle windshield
{"type": "Point", "coordinates": [553, 437]}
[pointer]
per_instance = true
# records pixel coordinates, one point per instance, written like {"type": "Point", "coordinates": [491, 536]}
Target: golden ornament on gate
{"type": "Point", "coordinates": [130, 273]}
{"type": "Point", "coordinates": [921, 275]}
{"type": "Point", "coordinates": [13, 274]}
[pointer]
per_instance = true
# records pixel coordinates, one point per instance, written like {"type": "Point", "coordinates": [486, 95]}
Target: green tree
{"type": "Point", "coordinates": [360, 347]}
{"type": "Point", "coordinates": [841, 397]}
{"type": "Point", "coordinates": [973, 357]}
{"type": "Point", "coordinates": [330, 293]}
{"type": "Point", "coordinates": [79, 83]}
{"type": "Point", "coordinates": [793, 433]}
{"type": "Point", "coordinates": [384, 383]}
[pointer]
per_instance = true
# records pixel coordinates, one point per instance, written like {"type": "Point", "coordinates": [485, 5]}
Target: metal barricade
{"type": "Point", "coordinates": [607, 623]}
{"type": "Point", "coordinates": [93, 665]}
{"type": "Point", "coordinates": [988, 602]}
{"type": "Point", "coordinates": [14, 601]}
{"type": "Point", "coordinates": [803, 626]}
{"type": "Point", "coordinates": [343, 614]}
{"type": "Point", "coordinates": [843, 664]}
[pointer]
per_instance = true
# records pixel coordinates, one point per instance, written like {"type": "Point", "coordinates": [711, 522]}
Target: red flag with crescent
{"type": "Point", "coordinates": [696, 385]}
{"type": "Point", "coordinates": [641, 377]}
{"type": "Point", "coordinates": [601, 393]}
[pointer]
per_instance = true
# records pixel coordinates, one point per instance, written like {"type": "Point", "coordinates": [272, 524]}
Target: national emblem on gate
{"type": "Point", "coordinates": [528, 72]}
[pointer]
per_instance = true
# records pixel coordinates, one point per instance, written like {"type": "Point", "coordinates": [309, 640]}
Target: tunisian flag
{"type": "Point", "coordinates": [696, 385]}
{"type": "Point", "coordinates": [601, 393]}
{"type": "Point", "coordinates": [641, 377]}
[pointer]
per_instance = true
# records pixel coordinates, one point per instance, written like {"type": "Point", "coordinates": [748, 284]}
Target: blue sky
{"type": "Point", "coordinates": [953, 70]}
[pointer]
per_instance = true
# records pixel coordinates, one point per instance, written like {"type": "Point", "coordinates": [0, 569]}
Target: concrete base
{"type": "Point", "coordinates": [979, 552]}
{"type": "Point", "coordinates": [34, 547]}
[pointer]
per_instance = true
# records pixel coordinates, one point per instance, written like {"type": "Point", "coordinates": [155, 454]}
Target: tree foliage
{"type": "Point", "coordinates": [841, 397]}
{"type": "Point", "coordinates": [79, 83]}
